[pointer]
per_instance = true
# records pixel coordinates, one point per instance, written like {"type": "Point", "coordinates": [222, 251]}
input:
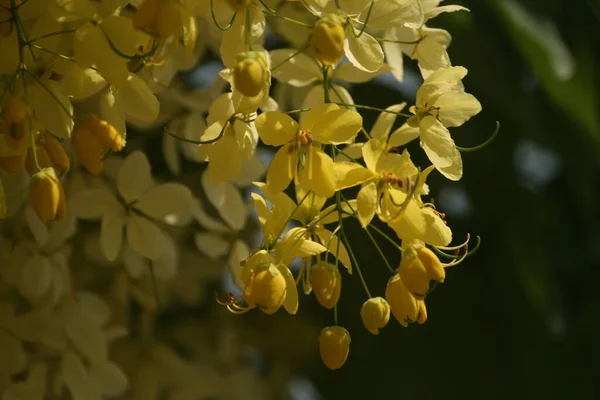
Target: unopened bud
{"type": "Point", "coordinates": [43, 160]}
{"type": "Point", "coordinates": [56, 153]}
{"type": "Point", "coordinates": [418, 267]}
{"type": "Point", "coordinates": [106, 133]}
{"type": "Point", "coordinates": [157, 17]}
{"type": "Point", "coordinates": [326, 283]}
{"type": "Point", "coordinates": [375, 314]}
{"type": "Point", "coordinates": [266, 288]}
{"type": "Point", "coordinates": [238, 5]}
{"type": "Point", "coordinates": [13, 164]}
{"type": "Point", "coordinates": [249, 74]}
{"type": "Point", "coordinates": [403, 304]}
{"type": "Point", "coordinates": [422, 312]}
{"type": "Point", "coordinates": [327, 40]}
{"type": "Point", "coordinates": [14, 118]}
{"type": "Point", "coordinates": [334, 346]}
{"type": "Point", "coordinates": [46, 195]}
{"type": "Point", "coordinates": [88, 150]}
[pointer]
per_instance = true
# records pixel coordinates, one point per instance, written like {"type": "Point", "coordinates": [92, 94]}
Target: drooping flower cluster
{"type": "Point", "coordinates": [77, 74]}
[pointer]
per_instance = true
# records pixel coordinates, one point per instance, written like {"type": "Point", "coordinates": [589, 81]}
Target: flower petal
{"type": "Point", "coordinates": [111, 235]}
{"type": "Point", "coordinates": [214, 246]}
{"type": "Point", "coordinates": [282, 168]}
{"type": "Point", "coordinates": [364, 52]}
{"type": "Point", "coordinates": [145, 237]}
{"type": "Point", "coordinates": [440, 148]}
{"type": "Point", "coordinates": [276, 128]}
{"type": "Point", "coordinates": [134, 176]}
{"type": "Point", "coordinates": [338, 126]}
{"type": "Point", "coordinates": [366, 203]}
{"type": "Point", "coordinates": [166, 201]}
{"type": "Point", "coordinates": [291, 294]}
{"type": "Point", "coordinates": [332, 242]}
{"type": "Point", "coordinates": [299, 70]}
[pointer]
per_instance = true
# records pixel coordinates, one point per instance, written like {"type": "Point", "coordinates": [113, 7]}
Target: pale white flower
{"type": "Point", "coordinates": [138, 205]}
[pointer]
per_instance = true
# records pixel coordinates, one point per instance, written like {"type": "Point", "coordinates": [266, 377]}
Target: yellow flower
{"type": "Point", "coordinates": [107, 135]}
{"type": "Point", "coordinates": [301, 155]}
{"type": "Point", "coordinates": [268, 283]}
{"type": "Point", "coordinates": [42, 157]}
{"type": "Point", "coordinates": [441, 103]}
{"type": "Point", "coordinates": [418, 267]}
{"type": "Point", "coordinates": [249, 74]}
{"type": "Point", "coordinates": [88, 150]}
{"type": "Point", "coordinates": [327, 40]}
{"type": "Point", "coordinates": [334, 346]}
{"type": "Point", "coordinates": [403, 304]}
{"type": "Point", "coordinates": [375, 314]}
{"type": "Point", "coordinates": [165, 18]}
{"type": "Point", "coordinates": [57, 155]}
{"type": "Point", "coordinates": [14, 117]}
{"type": "Point", "coordinates": [46, 196]}
{"type": "Point", "coordinates": [326, 283]}
{"type": "Point", "coordinates": [235, 138]}
{"type": "Point", "coordinates": [266, 288]}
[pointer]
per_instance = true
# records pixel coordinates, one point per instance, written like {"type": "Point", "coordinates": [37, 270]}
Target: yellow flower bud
{"type": "Point", "coordinates": [403, 304]}
{"type": "Point", "coordinates": [375, 314]}
{"type": "Point", "coordinates": [238, 5]}
{"type": "Point", "coordinates": [56, 153]}
{"type": "Point", "coordinates": [13, 164]}
{"type": "Point", "coordinates": [327, 40]}
{"type": "Point", "coordinates": [46, 196]}
{"type": "Point", "coordinates": [418, 267]}
{"type": "Point", "coordinates": [42, 157]}
{"type": "Point", "coordinates": [106, 133]}
{"type": "Point", "coordinates": [422, 312]}
{"type": "Point", "coordinates": [14, 118]}
{"type": "Point", "coordinates": [157, 17]}
{"type": "Point", "coordinates": [326, 283]}
{"type": "Point", "coordinates": [334, 346]}
{"type": "Point", "coordinates": [266, 288]}
{"type": "Point", "coordinates": [88, 150]}
{"type": "Point", "coordinates": [249, 74]}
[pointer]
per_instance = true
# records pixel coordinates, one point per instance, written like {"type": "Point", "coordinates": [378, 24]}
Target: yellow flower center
{"type": "Point", "coordinates": [249, 74]}
{"type": "Point", "coordinates": [267, 289]}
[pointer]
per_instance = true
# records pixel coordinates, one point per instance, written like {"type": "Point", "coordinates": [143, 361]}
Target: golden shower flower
{"type": "Point", "coordinates": [403, 304]}
{"type": "Point", "coordinates": [327, 39]}
{"type": "Point", "coordinates": [88, 150]}
{"type": "Point", "coordinates": [266, 288]}
{"type": "Point", "coordinates": [326, 284]}
{"type": "Point", "coordinates": [46, 196]}
{"type": "Point", "coordinates": [418, 267]}
{"type": "Point", "coordinates": [301, 155]}
{"type": "Point", "coordinates": [165, 18]}
{"type": "Point", "coordinates": [441, 103]}
{"type": "Point", "coordinates": [375, 314]}
{"type": "Point", "coordinates": [250, 73]}
{"type": "Point", "coordinates": [334, 346]}
{"type": "Point", "coordinates": [57, 155]}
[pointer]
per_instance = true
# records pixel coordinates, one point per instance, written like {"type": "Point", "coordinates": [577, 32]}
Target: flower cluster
{"type": "Point", "coordinates": [77, 74]}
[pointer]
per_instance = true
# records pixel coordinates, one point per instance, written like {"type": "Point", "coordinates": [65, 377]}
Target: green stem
{"type": "Point", "coordinates": [287, 59]}
{"type": "Point", "coordinates": [482, 145]}
{"type": "Point", "coordinates": [377, 109]}
{"type": "Point", "coordinates": [360, 275]}
{"type": "Point", "coordinates": [214, 18]}
{"type": "Point", "coordinates": [274, 14]}
{"type": "Point", "coordinates": [51, 34]}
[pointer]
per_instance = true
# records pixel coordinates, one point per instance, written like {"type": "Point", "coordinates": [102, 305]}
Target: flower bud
{"type": "Point", "coordinates": [327, 40]}
{"type": "Point", "coordinates": [106, 133]}
{"type": "Point", "coordinates": [13, 164]}
{"type": "Point", "coordinates": [56, 153]}
{"type": "Point", "coordinates": [422, 312]}
{"type": "Point", "coordinates": [326, 283]}
{"type": "Point", "coordinates": [418, 267]}
{"type": "Point", "coordinates": [46, 195]}
{"type": "Point", "coordinates": [14, 118]}
{"type": "Point", "coordinates": [238, 5]}
{"type": "Point", "coordinates": [88, 150]}
{"type": "Point", "coordinates": [43, 160]}
{"type": "Point", "coordinates": [375, 314]}
{"type": "Point", "coordinates": [249, 74]}
{"type": "Point", "coordinates": [266, 288]}
{"type": "Point", "coordinates": [334, 346]}
{"type": "Point", "coordinates": [403, 304]}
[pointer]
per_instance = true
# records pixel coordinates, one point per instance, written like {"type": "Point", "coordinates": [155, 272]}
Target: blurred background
{"type": "Point", "coordinates": [521, 317]}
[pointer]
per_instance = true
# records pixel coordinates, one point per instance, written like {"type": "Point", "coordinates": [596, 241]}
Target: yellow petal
{"type": "Point", "coordinates": [348, 174]}
{"type": "Point", "coordinates": [332, 242]}
{"type": "Point", "coordinates": [336, 127]}
{"type": "Point", "coordinates": [364, 52]}
{"type": "Point", "coordinates": [366, 203]}
{"type": "Point", "coordinates": [440, 148]}
{"type": "Point", "coordinates": [282, 168]}
{"type": "Point", "coordinates": [291, 293]}
{"type": "Point", "coordinates": [318, 173]}
{"type": "Point", "coordinates": [275, 128]}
